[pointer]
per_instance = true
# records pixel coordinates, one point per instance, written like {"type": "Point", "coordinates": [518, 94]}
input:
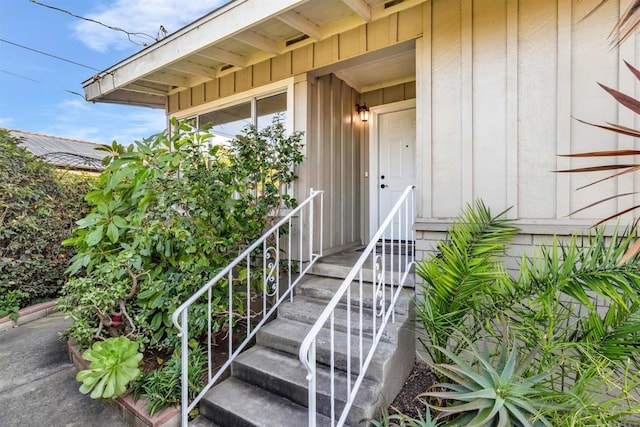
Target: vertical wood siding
{"type": "Point", "coordinates": [505, 79]}
{"type": "Point", "coordinates": [333, 159]}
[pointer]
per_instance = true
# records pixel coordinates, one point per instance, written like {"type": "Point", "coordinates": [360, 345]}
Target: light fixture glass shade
{"type": "Point", "coordinates": [363, 111]}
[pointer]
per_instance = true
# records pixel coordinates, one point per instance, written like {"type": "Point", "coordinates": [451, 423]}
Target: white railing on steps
{"type": "Point", "coordinates": [281, 258]}
{"type": "Point", "coordinates": [390, 272]}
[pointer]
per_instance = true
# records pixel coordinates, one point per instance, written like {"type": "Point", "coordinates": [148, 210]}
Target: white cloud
{"type": "Point", "coordinates": [138, 16]}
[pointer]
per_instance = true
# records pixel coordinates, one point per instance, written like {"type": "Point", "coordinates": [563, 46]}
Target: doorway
{"type": "Point", "coordinates": [392, 159]}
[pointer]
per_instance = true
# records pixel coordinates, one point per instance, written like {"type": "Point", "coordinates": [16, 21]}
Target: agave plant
{"type": "Point", "coordinates": [114, 364]}
{"type": "Point", "coordinates": [484, 396]}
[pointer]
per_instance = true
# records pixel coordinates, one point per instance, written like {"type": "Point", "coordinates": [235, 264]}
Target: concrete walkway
{"type": "Point", "coordinates": [37, 381]}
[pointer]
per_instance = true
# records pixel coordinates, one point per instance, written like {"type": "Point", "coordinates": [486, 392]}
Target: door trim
{"type": "Point", "coordinates": [374, 180]}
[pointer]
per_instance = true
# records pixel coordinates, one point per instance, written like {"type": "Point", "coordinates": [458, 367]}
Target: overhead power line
{"type": "Point", "coordinates": [37, 81]}
{"type": "Point", "coordinates": [48, 54]}
{"type": "Point", "coordinates": [128, 33]}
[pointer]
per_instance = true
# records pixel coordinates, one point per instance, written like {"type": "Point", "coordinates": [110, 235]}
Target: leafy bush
{"type": "Point", "coordinates": [10, 300]}
{"type": "Point", "coordinates": [114, 364]}
{"type": "Point", "coordinates": [38, 208]}
{"type": "Point", "coordinates": [167, 214]}
{"type": "Point", "coordinates": [573, 313]}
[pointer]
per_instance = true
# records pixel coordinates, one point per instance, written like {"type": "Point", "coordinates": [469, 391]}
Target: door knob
{"type": "Point", "coordinates": [381, 176]}
{"type": "Point", "coordinates": [383, 186]}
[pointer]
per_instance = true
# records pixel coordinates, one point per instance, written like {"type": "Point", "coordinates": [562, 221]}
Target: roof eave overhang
{"type": "Point", "coordinates": [223, 23]}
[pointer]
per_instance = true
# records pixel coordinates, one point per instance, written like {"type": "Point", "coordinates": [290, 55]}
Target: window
{"type": "Point", "coordinates": [228, 122]}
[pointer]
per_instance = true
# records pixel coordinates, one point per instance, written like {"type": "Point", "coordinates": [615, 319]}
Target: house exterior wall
{"type": "Point", "coordinates": [333, 159]}
{"type": "Point", "coordinates": [498, 83]}
{"type": "Point", "coordinates": [501, 82]}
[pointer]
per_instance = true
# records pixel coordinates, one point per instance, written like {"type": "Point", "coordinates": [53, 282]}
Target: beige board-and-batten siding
{"type": "Point", "coordinates": [333, 159]}
{"type": "Point", "coordinates": [498, 83]}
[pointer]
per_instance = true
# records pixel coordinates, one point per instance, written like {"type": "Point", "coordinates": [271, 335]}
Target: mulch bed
{"type": "Point", "coordinates": [407, 401]}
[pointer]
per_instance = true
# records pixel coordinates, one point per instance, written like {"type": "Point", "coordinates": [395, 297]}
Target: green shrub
{"type": "Point", "coordinates": [167, 214]}
{"type": "Point", "coordinates": [573, 313]}
{"type": "Point", "coordinates": [38, 208]}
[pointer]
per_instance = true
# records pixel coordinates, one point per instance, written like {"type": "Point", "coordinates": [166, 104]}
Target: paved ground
{"type": "Point", "coordinates": [37, 381]}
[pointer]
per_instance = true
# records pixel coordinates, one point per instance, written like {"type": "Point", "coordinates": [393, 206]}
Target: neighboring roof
{"type": "Point", "coordinates": [237, 35]}
{"type": "Point", "coordinates": [62, 152]}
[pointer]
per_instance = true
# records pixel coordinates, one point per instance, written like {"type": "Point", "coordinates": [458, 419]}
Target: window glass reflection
{"type": "Point", "coordinates": [269, 107]}
{"type": "Point", "coordinates": [225, 124]}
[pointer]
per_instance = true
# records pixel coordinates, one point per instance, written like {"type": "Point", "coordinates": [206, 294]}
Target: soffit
{"type": "Point", "coordinates": [393, 68]}
{"type": "Point", "coordinates": [239, 34]}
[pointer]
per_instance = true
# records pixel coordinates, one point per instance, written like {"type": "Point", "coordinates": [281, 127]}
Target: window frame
{"type": "Point", "coordinates": [252, 96]}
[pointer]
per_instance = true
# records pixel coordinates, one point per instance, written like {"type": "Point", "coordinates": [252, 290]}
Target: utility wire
{"type": "Point", "coordinates": [48, 54]}
{"type": "Point", "coordinates": [128, 33]}
{"type": "Point", "coordinates": [36, 81]}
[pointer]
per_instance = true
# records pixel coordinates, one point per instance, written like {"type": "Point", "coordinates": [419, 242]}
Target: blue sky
{"type": "Point", "coordinates": [47, 107]}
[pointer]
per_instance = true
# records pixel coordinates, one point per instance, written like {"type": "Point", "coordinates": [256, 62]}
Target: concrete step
{"type": "Point", "coordinates": [287, 335]}
{"type": "Point", "coordinates": [284, 375]}
{"type": "Point", "coordinates": [201, 421]}
{"type": "Point", "coordinates": [307, 310]}
{"type": "Point", "coordinates": [339, 266]}
{"type": "Point", "coordinates": [324, 288]}
{"type": "Point", "coordinates": [235, 403]}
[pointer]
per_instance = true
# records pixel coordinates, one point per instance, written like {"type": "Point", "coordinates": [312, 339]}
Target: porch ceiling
{"type": "Point", "coordinates": [237, 35]}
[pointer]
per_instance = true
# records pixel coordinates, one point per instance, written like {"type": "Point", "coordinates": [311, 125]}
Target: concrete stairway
{"type": "Point", "coordinates": [268, 387]}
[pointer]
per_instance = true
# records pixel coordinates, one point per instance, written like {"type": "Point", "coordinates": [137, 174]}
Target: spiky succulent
{"type": "Point", "coordinates": [114, 364]}
{"type": "Point", "coordinates": [484, 396]}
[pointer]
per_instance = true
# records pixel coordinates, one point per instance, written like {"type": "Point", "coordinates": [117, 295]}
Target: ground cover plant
{"type": "Point", "coordinates": [167, 214]}
{"type": "Point", "coordinates": [38, 208]}
{"type": "Point", "coordinates": [558, 344]}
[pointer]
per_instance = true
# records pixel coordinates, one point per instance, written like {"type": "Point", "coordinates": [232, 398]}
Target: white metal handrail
{"type": "Point", "coordinates": [397, 269]}
{"type": "Point", "coordinates": [279, 275]}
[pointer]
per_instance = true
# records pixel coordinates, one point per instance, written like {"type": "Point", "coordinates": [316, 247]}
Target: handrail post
{"type": "Point", "coordinates": [312, 385]}
{"type": "Point", "coordinates": [184, 356]}
{"type": "Point", "coordinates": [311, 223]}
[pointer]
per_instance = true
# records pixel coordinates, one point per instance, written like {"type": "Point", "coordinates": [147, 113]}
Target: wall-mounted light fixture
{"type": "Point", "coordinates": [363, 111]}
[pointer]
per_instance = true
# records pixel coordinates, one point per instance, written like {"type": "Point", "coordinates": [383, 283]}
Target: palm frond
{"type": "Point", "coordinates": [467, 263]}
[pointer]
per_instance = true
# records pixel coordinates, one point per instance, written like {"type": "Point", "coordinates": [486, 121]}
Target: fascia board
{"type": "Point", "coordinates": [223, 23]}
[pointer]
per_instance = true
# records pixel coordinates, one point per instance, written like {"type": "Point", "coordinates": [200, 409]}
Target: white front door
{"type": "Point", "coordinates": [395, 167]}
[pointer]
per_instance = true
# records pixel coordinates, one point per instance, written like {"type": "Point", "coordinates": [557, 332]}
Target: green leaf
{"type": "Point", "coordinates": [119, 221]}
{"type": "Point", "coordinates": [94, 237]}
{"type": "Point", "coordinates": [112, 232]}
{"type": "Point", "coordinates": [147, 293]}
{"type": "Point", "coordinates": [156, 321]}
{"type": "Point", "coordinates": [90, 220]}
